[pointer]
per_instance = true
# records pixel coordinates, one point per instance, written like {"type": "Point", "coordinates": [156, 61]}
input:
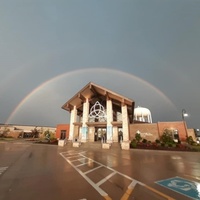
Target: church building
{"type": "Point", "coordinates": [97, 113]}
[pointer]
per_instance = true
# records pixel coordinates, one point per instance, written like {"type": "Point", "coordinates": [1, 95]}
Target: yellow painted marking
{"type": "Point", "coordinates": [107, 197]}
{"type": "Point", "coordinates": [194, 177]}
{"type": "Point", "coordinates": [130, 190]}
{"type": "Point", "coordinates": [127, 194]}
{"type": "Point", "coordinates": [160, 193]}
{"type": "Point", "coordinates": [103, 193]}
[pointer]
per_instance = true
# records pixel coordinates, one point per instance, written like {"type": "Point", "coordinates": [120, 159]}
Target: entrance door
{"type": "Point", "coordinates": [62, 134]}
{"type": "Point", "coordinates": [120, 135]}
{"type": "Point", "coordinates": [100, 134]}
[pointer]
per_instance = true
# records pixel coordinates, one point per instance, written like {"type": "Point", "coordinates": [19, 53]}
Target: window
{"type": "Point", "coordinates": [63, 134]}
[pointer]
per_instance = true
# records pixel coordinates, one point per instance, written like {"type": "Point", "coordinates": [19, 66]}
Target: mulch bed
{"type": "Point", "coordinates": [51, 142]}
{"type": "Point", "coordinates": [181, 148]}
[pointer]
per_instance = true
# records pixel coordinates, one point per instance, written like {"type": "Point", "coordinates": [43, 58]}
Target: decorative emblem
{"type": "Point", "coordinates": [97, 113]}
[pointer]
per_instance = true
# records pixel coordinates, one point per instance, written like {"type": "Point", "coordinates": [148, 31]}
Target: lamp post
{"type": "Point", "coordinates": [185, 114]}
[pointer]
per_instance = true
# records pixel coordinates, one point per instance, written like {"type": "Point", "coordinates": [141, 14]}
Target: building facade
{"type": "Point", "coordinates": [23, 131]}
{"type": "Point", "coordinates": [97, 113]}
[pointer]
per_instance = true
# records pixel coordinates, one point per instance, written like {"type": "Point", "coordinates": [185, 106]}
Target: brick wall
{"type": "Point", "coordinates": [62, 127]}
{"type": "Point", "coordinates": [153, 131]}
{"type": "Point", "coordinates": [15, 134]}
{"type": "Point", "coordinates": [192, 133]}
{"type": "Point", "coordinates": [147, 131]}
{"type": "Point", "coordinates": [179, 125]}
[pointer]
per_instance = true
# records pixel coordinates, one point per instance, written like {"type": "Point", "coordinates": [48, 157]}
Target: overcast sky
{"type": "Point", "coordinates": [147, 50]}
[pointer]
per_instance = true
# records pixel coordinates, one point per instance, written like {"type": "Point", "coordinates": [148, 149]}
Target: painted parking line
{"type": "Point", "coordinates": [70, 157]}
{"type": "Point", "coordinates": [80, 162]}
{"type": "Point", "coordinates": [182, 186]}
{"type": "Point", "coordinates": [3, 169]}
{"type": "Point", "coordinates": [131, 188]}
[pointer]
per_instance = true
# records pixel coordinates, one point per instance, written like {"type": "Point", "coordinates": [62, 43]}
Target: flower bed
{"type": "Point", "coordinates": [158, 146]}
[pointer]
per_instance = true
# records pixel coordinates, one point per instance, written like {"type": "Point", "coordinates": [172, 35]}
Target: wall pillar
{"type": "Point", "coordinates": [84, 129]}
{"type": "Point", "coordinates": [115, 134]}
{"type": "Point", "coordinates": [125, 123]}
{"type": "Point", "coordinates": [91, 134]}
{"type": "Point", "coordinates": [125, 126]}
{"type": "Point", "coordinates": [73, 117]}
{"type": "Point", "coordinates": [109, 114]}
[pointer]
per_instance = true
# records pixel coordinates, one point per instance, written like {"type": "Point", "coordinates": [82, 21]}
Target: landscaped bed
{"type": "Point", "coordinates": [166, 142]}
{"type": "Point", "coordinates": [54, 142]}
{"type": "Point", "coordinates": [154, 146]}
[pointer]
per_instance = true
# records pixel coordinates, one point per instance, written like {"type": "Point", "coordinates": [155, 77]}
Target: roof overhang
{"type": "Point", "coordinates": [93, 92]}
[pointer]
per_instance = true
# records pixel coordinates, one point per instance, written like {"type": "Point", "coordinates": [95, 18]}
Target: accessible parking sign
{"type": "Point", "coordinates": [183, 186]}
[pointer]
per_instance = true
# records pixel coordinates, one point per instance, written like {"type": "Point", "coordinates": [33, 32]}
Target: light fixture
{"type": "Point", "coordinates": [184, 114]}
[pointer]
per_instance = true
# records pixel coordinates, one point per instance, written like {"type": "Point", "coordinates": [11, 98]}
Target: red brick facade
{"type": "Point", "coordinates": [154, 131]}
{"type": "Point", "coordinates": [150, 132]}
{"type": "Point", "coordinates": [147, 131]}
{"type": "Point", "coordinates": [62, 128]}
{"type": "Point", "coordinates": [179, 126]}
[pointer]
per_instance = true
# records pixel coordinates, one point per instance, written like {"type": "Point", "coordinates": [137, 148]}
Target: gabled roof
{"type": "Point", "coordinates": [95, 92]}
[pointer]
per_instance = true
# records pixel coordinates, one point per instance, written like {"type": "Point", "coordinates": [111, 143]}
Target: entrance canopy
{"type": "Point", "coordinates": [94, 93]}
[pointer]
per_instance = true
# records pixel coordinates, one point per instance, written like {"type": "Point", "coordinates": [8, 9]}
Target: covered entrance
{"type": "Point", "coordinates": [100, 134]}
{"type": "Point", "coordinates": [99, 114]}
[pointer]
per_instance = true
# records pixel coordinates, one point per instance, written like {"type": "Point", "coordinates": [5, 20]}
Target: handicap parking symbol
{"type": "Point", "coordinates": [182, 186]}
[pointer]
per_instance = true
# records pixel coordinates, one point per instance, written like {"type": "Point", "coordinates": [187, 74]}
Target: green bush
{"type": "Point", "coordinates": [167, 137]}
{"type": "Point", "coordinates": [144, 141]}
{"type": "Point", "coordinates": [170, 144]}
{"type": "Point", "coordinates": [138, 137]}
{"type": "Point", "coordinates": [162, 144]}
{"type": "Point", "coordinates": [166, 145]}
{"type": "Point", "coordinates": [157, 141]}
{"type": "Point", "coordinates": [190, 140]}
{"type": "Point", "coordinates": [133, 143]}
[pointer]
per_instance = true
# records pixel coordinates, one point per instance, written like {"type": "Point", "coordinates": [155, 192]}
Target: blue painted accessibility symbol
{"type": "Point", "coordinates": [182, 186]}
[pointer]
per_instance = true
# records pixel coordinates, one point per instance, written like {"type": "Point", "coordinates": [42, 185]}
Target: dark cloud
{"type": "Point", "coordinates": [157, 41]}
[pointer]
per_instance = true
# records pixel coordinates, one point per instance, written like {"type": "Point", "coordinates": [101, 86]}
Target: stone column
{"type": "Point", "coordinates": [125, 126]}
{"type": "Point", "coordinates": [115, 134]}
{"type": "Point", "coordinates": [73, 117]}
{"type": "Point", "coordinates": [84, 129]}
{"type": "Point", "coordinates": [91, 134]}
{"type": "Point", "coordinates": [109, 114]}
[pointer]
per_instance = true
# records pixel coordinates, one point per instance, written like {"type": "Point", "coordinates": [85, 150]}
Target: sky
{"type": "Point", "coordinates": [146, 50]}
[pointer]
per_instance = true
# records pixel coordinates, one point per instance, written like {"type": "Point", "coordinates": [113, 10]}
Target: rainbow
{"type": "Point", "coordinates": [88, 70]}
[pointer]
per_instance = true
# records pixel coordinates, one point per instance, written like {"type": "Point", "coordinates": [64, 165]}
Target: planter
{"type": "Point", "coordinates": [106, 146]}
{"type": "Point", "coordinates": [125, 145]}
{"type": "Point", "coordinates": [76, 144]}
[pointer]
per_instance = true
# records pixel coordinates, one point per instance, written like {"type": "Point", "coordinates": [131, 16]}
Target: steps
{"type": "Point", "coordinates": [98, 145]}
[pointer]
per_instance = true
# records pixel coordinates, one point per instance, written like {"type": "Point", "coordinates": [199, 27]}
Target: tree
{"type": "Point", "coordinates": [47, 134]}
{"type": "Point", "coordinates": [5, 132]}
{"type": "Point", "coordinates": [35, 132]}
{"type": "Point", "coordinates": [138, 137]}
{"type": "Point", "coordinates": [190, 140]}
{"type": "Point", "coordinates": [167, 137]}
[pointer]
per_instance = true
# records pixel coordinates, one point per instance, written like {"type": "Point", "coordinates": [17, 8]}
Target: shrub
{"type": "Point", "coordinates": [167, 137]}
{"type": "Point", "coordinates": [35, 132]}
{"type": "Point", "coordinates": [138, 137]}
{"type": "Point", "coordinates": [144, 141]}
{"type": "Point", "coordinates": [133, 143]}
{"type": "Point", "coordinates": [190, 140]}
{"type": "Point", "coordinates": [157, 141]}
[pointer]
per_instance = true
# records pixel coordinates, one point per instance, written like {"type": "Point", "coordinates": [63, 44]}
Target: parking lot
{"type": "Point", "coordinates": [34, 171]}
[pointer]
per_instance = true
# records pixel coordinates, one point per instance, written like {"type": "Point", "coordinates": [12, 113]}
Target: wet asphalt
{"type": "Point", "coordinates": [39, 171]}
